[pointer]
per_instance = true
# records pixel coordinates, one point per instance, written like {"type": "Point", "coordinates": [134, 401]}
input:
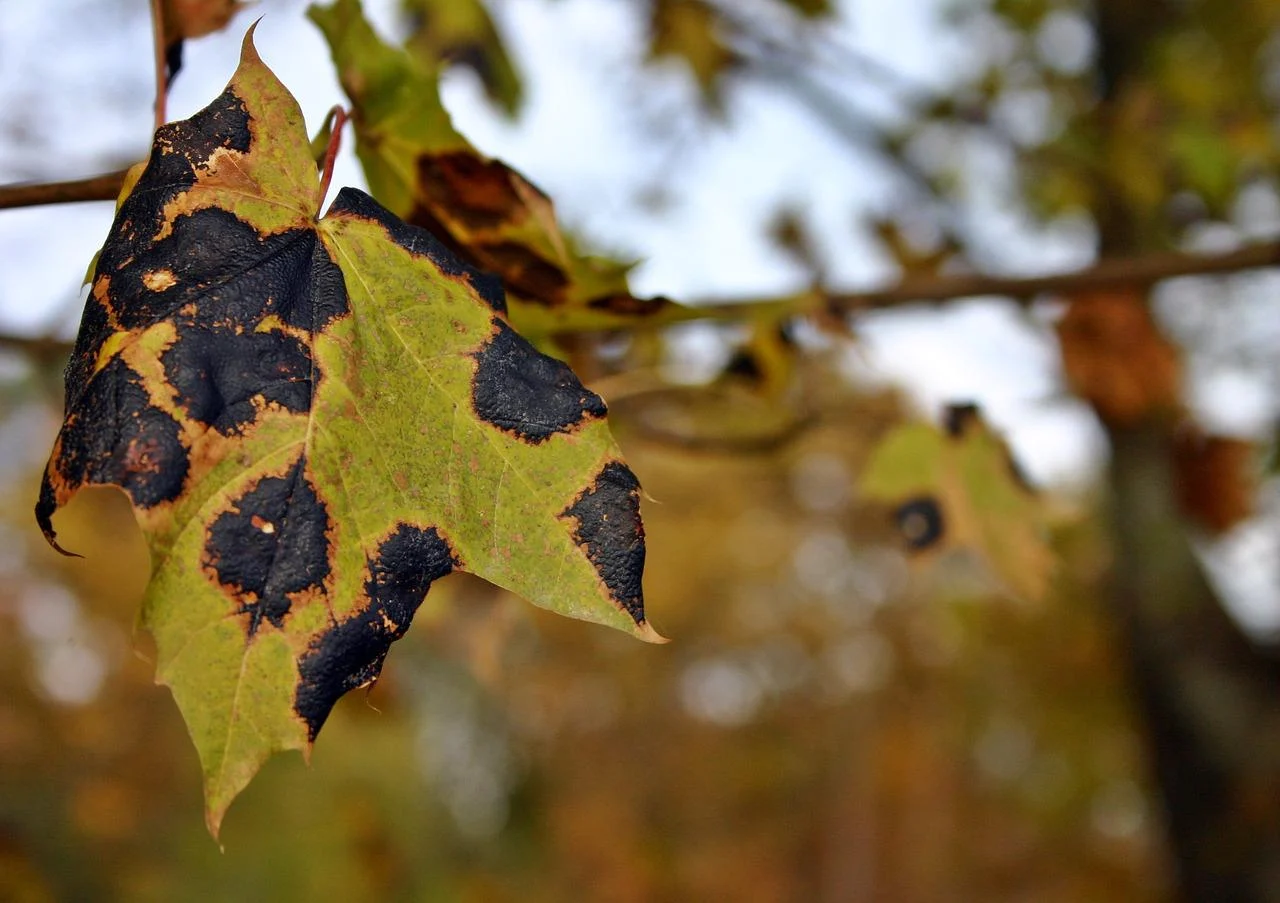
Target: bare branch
{"type": "Point", "coordinates": [1126, 272]}
{"type": "Point", "coordinates": [105, 187]}
{"type": "Point", "coordinates": [1121, 272]}
{"type": "Point", "coordinates": [38, 347]}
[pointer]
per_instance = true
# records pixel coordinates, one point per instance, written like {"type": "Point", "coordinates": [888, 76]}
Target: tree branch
{"type": "Point", "coordinates": [38, 347]}
{"type": "Point", "coordinates": [1125, 272]}
{"type": "Point", "coordinates": [105, 187]}
{"type": "Point", "coordinates": [1122, 272]}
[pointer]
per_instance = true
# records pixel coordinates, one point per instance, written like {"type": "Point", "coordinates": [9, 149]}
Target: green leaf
{"type": "Point", "coordinates": [961, 488]}
{"type": "Point", "coordinates": [691, 31]}
{"type": "Point", "coordinates": [462, 32]}
{"type": "Point", "coordinates": [423, 170]}
{"type": "Point", "coordinates": [314, 420]}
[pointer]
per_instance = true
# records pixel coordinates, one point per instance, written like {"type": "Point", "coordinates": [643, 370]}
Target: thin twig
{"type": "Point", "coordinates": [105, 187]}
{"type": "Point", "coordinates": [162, 75]}
{"type": "Point", "coordinates": [38, 347]}
{"type": "Point", "coordinates": [1139, 271]}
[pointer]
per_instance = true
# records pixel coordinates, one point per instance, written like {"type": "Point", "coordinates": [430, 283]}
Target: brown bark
{"type": "Point", "coordinates": [1210, 699]}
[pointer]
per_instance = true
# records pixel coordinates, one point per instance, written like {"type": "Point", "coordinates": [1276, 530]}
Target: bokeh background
{"type": "Point", "coordinates": [838, 718]}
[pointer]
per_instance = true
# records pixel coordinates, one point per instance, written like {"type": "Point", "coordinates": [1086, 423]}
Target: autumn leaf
{"type": "Point", "coordinates": [461, 32]}
{"type": "Point", "coordinates": [1116, 358]}
{"type": "Point", "coordinates": [1216, 478]}
{"type": "Point", "coordinates": [315, 419]}
{"type": "Point", "coordinates": [959, 487]}
{"type": "Point", "coordinates": [423, 170]}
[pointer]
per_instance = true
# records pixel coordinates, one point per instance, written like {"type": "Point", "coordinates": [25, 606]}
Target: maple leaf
{"type": "Point", "coordinates": [315, 419]}
{"type": "Point", "coordinates": [423, 170]}
{"type": "Point", "coordinates": [960, 487]}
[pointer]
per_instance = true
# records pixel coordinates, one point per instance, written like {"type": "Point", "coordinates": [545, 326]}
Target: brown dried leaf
{"type": "Point", "coordinates": [1115, 357]}
{"type": "Point", "coordinates": [1215, 477]}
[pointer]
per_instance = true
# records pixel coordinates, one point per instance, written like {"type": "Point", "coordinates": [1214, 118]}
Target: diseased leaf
{"type": "Point", "coordinates": [1116, 358]}
{"type": "Point", "coordinates": [315, 420]}
{"type": "Point", "coordinates": [424, 171]}
{"type": "Point", "coordinates": [959, 487]}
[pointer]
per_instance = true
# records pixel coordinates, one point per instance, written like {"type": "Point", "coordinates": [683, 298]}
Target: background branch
{"type": "Point", "coordinates": [1136, 271]}
{"type": "Point", "coordinates": [105, 187]}
{"type": "Point", "coordinates": [1140, 270]}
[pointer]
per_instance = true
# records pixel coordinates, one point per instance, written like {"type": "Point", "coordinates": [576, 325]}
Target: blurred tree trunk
{"type": "Point", "coordinates": [1210, 698]}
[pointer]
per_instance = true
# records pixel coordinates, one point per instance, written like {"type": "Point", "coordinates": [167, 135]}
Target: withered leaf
{"type": "Point", "coordinates": [423, 170]}
{"type": "Point", "coordinates": [1116, 359]}
{"type": "Point", "coordinates": [1216, 478]}
{"type": "Point", "coordinates": [315, 419]}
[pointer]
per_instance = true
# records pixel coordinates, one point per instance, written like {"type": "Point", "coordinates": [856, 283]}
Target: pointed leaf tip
{"type": "Point", "coordinates": [248, 51]}
{"type": "Point", "coordinates": [646, 632]}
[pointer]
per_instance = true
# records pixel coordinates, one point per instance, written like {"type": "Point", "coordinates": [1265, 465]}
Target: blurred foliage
{"type": "Point", "coordinates": [1184, 128]}
{"type": "Point", "coordinates": [979, 499]}
{"type": "Point", "coordinates": [461, 33]}
{"type": "Point", "coordinates": [422, 169]}
{"type": "Point", "coordinates": [839, 718]}
{"type": "Point", "coordinates": [830, 723]}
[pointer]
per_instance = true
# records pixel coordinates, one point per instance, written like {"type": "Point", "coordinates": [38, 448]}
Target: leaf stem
{"type": "Point", "coordinates": [339, 117]}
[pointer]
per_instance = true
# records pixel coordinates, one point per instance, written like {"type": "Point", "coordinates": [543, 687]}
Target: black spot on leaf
{"type": "Point", "coordinates": [608, 516]}
{"type": "Point", "coordinates": [957, 418]}
{"type": "Point", "coordinates": [326, 297]}
{"type": "Point", "coordinates": [219, 265]}
{"type": "Point", "coordinates": [217, 373]}
{"type": "Point", "coordinates": [919, 522]}
{"type": "Point", "coordinates": [180, 148]}
{"type": "Point", "coordinates": [525, 392]}
{"type": "Point", "coordinates": [217, 280]}
{"type": "Point", "coordinates": [94, 329]}
{"type": "Point", "coordinates": [422, 243]}
{"type": "Point", "coordinates": [224, 123]}
{"type": "Point", "coordinates": [269, 544]}
{"type": "Point", "coordinates": [114, 436]}
{"type": "Point", "coordinates": [351, 654]}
